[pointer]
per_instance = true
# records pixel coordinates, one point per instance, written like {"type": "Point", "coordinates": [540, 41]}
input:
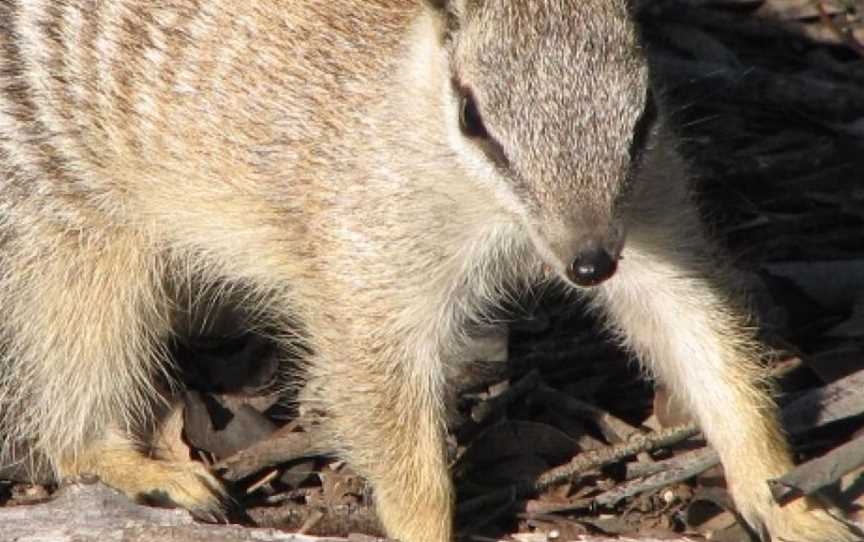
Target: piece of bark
{"type": "Point", "coordinates": [832, 402]}
{"type": "Point", "coordinates": [223, 429]}
{"type": "Point", "coordinates": [282, 446]}
{"type": "Point", "coordinates": [809, 477]}
{"type": "Point", "coordinates": [96, 513]}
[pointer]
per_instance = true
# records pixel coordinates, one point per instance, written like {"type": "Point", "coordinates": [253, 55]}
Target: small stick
{"type": "Point", "coordinates": [494, 405]}
{"type": "Point", "coordinates": [313, 520]}
{"type": "Point", "coordinates": [614, 428]}
{"type": "Point", "coordinates": [264, 480]}
{"type": "Point", "coordinates": [674, 470]}
{"type": "Point", "coordinates": [582, 463]}
{"type": "Point", "coordinates": [599, 458]}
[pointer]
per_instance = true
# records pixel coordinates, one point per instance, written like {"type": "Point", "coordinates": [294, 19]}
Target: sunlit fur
{"type": "Point", "coordinates": [305, 158]}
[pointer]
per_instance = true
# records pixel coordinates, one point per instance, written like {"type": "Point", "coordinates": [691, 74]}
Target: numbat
{"type": "Point", "coordinates": [377, 172]}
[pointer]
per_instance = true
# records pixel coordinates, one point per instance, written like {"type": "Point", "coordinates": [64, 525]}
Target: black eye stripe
{"type": "Point", "coordinates": [470, 120]}
{"type": "Point", "coordinates": [473, 127]}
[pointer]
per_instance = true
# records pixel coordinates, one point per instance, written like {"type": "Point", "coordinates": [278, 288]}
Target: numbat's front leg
{"type": "Point", "coordinates": [680, 327]}
{"type": "Point", "coordinates": [673, 307]}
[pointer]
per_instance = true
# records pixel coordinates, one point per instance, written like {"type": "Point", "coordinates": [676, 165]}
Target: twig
{"type": "Point", "coordinates": [599, 458]}
{"type": "Point", "coordinates": [582, 463]}
{"type": "Point", "coordinates": [266, 479]}
{"type": "Point", "coordinates": [280, 447]}
{"type": "Point", "coordinates": [674, 470]}
{"type": "Point", "coordinates": [533, 508]}
{"type": "Point", "coordinates": [613, 428]}
{"type": "Point", "coordinates": [493, 406]}
{"type": "Point", "coordinates": [310, 523]}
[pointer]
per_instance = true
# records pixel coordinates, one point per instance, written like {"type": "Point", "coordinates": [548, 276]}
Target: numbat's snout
{"type": "Point", "coordinates": [592, 266]}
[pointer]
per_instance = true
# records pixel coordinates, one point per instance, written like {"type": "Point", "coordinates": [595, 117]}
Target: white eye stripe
{"type": "Point", "coordinates": [644, 124]}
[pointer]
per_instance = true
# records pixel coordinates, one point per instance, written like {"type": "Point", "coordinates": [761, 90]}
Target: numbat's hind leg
{"type": "Point", "coordinates": [84, 318]}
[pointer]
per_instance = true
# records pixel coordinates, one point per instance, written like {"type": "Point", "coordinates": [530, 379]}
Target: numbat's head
{"type": "Point", "coordinates": [549, 100]}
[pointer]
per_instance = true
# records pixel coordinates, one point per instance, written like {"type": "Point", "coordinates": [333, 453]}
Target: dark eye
{"type": "Point", "coordinates": [469, 118]}
{"type": "Point", "coordinates": [643, 128]}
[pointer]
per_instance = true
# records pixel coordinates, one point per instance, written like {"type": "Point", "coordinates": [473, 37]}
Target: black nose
{"type": "Point", "coordinates": [591, 267]}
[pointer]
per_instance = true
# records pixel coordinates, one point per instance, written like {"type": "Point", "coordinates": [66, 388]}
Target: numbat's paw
{"type": "Point", "coordinates": [803, 521]}
{"type": "Point", "coordinates": [186, 484]}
